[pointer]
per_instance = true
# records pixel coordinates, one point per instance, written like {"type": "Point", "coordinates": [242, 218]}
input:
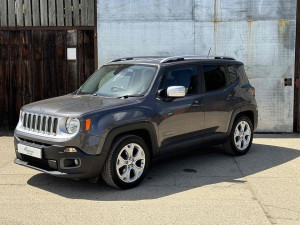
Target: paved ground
{"type": "Point", "coordinates": [204, 187]}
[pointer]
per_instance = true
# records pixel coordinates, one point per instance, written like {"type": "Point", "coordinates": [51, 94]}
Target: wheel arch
{"type": "Point", "coordinates": [249, 112]}
{"type": "Point", "coordinates": [145, 130]}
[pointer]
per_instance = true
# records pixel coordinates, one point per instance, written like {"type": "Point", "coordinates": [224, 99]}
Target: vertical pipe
{"type": "Point", "coordinates": [95, 36]}
{"type": "Point", "coordinates": [297, 72]}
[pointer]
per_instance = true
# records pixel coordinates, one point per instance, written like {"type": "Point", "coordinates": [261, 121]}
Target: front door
{"type": "Point", "coordinates": [181, 119]}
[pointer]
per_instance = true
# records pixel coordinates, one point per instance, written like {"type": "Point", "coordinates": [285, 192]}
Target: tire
{"type": "Point", "coordinates": [127, 162]}
{"type": "Point", "coordinates": [239, 142]}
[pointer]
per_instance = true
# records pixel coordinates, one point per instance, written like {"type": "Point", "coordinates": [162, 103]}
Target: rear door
{"type": "Point", "coordinates": [221, 96]}
{"type": "Point", "coordinates": [181, 119]}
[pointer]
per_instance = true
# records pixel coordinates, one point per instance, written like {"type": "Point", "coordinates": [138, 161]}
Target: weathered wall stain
{"type": "Point", "coordinates": [287, 34]}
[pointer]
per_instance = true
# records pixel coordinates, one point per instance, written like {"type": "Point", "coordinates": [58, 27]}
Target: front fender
{"type": "Point", "coordinates": [107, 140]}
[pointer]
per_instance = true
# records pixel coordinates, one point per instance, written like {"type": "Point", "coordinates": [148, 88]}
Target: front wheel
{"type": "Point", "coordinates": [241, 136]}
{"type": "Point", "coordinates": [127, 162]}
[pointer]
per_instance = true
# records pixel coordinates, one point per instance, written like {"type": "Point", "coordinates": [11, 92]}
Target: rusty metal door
{"type": "Point", "coordinates": [34, 65]}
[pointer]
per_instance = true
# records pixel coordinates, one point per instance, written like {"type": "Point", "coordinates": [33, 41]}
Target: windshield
{"type": "Point", "coordinates": [119, 80]}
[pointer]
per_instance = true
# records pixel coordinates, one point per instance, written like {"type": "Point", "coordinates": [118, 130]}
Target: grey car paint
{"type": "Point", "coordinates": [75, 105]}
{"type": "Point", "coordinates": [189, 120]}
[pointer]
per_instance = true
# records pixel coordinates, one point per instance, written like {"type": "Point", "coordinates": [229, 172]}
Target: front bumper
{"type": "Point", "coordinates": [56, 162]}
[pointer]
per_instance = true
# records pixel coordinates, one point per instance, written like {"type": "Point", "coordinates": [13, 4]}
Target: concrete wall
{"type": "Point", "coordinates": [260, 33]}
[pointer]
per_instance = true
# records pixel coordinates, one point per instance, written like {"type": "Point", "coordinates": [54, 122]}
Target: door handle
{"type": "Point", "coordinates": [229, 97]}
{"type": "Point", "coordinates": [196, 104]}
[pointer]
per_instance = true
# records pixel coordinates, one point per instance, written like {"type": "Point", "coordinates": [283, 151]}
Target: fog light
{"type": "Point", "coordinates": [71, 163]}
{"type": "Point", "coordinates": [76, 162]}
{"type": "Point", "coordinates": [70, 150]}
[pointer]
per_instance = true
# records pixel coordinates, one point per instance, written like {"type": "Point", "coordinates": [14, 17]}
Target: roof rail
{"type": "Point", "coordinates": [224, 57]}
{"type": "Point", "coordinates": [178, 58]}
{"type": "Point", "coordinates": [121, 59]}
{"type": "Point", "coordinates": [136, 57]}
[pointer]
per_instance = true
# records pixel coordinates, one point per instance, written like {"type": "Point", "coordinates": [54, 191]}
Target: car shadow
{"type": "Point", "coordinates": [176, 174]}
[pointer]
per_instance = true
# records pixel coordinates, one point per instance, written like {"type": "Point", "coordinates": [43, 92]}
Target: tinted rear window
{"type": "Point", "coordinates": [215, 77]}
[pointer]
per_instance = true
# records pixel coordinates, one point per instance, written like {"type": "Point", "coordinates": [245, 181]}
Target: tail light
{"type": "Point", "coordinates": [253, 91]}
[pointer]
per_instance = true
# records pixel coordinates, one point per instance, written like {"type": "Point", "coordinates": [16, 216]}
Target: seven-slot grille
{"type": "Point", "coordinates": [40, 123]}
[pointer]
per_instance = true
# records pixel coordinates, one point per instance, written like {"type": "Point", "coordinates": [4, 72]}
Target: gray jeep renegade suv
{"type": "Point", "coordinates": [134, 109]}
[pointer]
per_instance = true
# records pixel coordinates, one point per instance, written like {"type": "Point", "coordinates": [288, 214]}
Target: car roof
{"type": "Point", "coordinates": [171, 60]}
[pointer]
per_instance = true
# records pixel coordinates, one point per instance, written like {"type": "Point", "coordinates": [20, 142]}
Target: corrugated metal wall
{"type": "Point", "coordinates": [260, 33]}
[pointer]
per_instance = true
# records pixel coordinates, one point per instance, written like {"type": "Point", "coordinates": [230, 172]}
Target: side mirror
{"type": "Point", "coordinates": [176, 91]}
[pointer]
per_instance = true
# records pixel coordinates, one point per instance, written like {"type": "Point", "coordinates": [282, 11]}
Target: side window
{"type": "Point", "coordinates": [186, 76]}
{"type": "Point", "coordinates": [242, 74]}
{"type": "Point", "coordinates": [215, 77]}
{"type": "Point", "coordinates": [231, 75]}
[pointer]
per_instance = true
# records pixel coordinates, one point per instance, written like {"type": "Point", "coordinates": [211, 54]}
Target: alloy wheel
{"type": "Point", "coordinates": [130, 163]}
{"type": "Point", "coordinates": [242, 135]}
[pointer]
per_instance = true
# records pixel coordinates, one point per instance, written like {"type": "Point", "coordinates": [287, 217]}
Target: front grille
{"type": "Point", "coordinates": [40, 123]}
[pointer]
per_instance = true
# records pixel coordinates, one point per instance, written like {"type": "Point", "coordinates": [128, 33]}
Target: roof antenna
{"type": "Point", "coordinates": [209, 52]}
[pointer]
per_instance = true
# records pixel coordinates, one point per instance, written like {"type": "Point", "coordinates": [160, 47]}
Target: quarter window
{"type": "Point", "coordinates": [231, 75]}
{"type": "Point", "coordinates": [242, 74]}
{"type": "Point", "coordinates": [215, 77]}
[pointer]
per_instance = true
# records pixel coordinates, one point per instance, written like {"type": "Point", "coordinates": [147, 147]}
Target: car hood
{"type": "Point", "coordinates": [74, 105]}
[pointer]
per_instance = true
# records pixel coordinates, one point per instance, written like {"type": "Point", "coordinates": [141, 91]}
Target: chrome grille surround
{"type": "Point", "coordinates": [39, 123]}
{"type": "Point", "coordinates": [44, 125]}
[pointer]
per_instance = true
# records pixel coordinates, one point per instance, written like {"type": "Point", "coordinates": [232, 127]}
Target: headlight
{"type": "Point", "coordinates": [21, 115]}
{"type": "Point", "coordinates": [72, 125]}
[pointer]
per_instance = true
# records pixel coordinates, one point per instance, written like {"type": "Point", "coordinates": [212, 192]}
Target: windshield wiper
{"type": "Point", "coordinates": [95, 94]}
{"type": "Point", "coordinates": [127, 96]}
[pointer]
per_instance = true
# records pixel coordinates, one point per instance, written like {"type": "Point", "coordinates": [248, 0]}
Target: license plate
{"type": "Point", "coordinates": [31, 151]}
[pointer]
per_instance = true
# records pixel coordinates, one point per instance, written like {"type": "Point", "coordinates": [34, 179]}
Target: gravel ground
{"type": "Point", "coordinates": [203, 187]}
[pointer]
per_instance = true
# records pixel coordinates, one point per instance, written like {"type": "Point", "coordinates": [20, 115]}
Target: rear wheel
{"type": "Point", "coordinates": [127, 162]}
{"type": "Point", "coordinates": [241, 136]}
